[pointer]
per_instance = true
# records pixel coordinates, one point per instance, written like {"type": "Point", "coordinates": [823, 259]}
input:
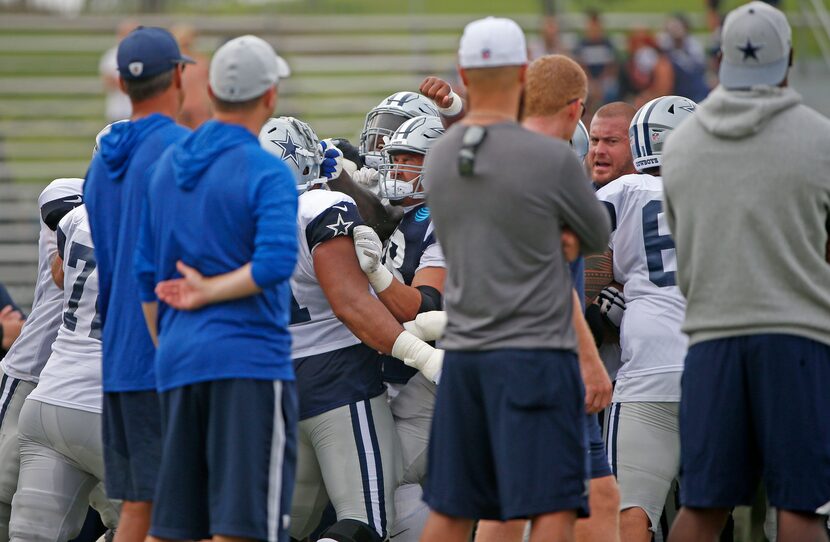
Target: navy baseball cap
{"type": "Point", "coordinates": [149, 51]}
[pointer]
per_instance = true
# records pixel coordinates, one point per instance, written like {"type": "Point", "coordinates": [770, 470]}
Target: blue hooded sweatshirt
{"type": "Point", "coordinates": [218, 201]}
{"type": "Point", "coordinates": [114, 193]}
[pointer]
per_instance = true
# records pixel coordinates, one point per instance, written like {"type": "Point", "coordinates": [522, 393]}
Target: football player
{"type": "Point", "coordinates": [348, 450]}
{"type": "Point", "coordinates": [643, 438]}
{"type": "Point", "coordinates": [61, 449]}
{"type": "Point", "coordinates": [23, 363]}
{"type": "Point", "coordinates": [408, 277]}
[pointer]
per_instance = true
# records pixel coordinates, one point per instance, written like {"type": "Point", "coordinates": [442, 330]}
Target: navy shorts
{"type": "Point", "coordinates": [132, 444]}
{"type": "Point", "coordinates": [756, 407]}
{"type": "Point", "coordinates": [230, 450]}
{"type": "Point", "coordinates": [596, 448]}
{"type": "Point", "coordinates": [508, 435]}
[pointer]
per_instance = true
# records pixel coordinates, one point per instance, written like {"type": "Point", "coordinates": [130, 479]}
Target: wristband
{"type": "Point", "coordinates": [455, 107]}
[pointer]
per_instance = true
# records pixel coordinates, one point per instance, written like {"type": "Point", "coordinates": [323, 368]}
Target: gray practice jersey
{"type": "Point", "coordinates": [508, 284]}
{"type": "Point", "coordinates": [29, 353]}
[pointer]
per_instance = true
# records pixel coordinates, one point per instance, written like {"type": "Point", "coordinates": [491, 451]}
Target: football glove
{"type": "Point", "coordinates": [367, 178]}
{"type": "Point", "coordinates": [611, 306]}
{"type": "Point", "coordinates": [428, 326]}
{"type": "Point", "coordinates": [369, 250]}
{"type": "Point", "coordinates": [332, 164]}
{"type": "Point", "coordinates": [419, 355]}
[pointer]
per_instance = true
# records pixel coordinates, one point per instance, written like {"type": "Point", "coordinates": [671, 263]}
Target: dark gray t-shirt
{"type": "Point", "coordinates": [508, 284]}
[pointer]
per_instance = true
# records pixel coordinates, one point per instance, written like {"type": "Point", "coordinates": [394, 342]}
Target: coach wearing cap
{"type": "Point", "coordinates": [150, 67]}
{"type": "Point", "coordinates": [508, 437]}
{"type": "Point", "coordinates": [747, 198]}
{"type": "Point", "coordinates": [222, 213]}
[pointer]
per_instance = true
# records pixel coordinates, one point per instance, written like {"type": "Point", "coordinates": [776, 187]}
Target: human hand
{"type": "Point", "coordinates": [598, 389]}
{"type": "Point", "coordinates": [570, 244]}
{"type": "Point", "coordinates": [191, 292]}
{"type": "Point", "coordinates": [12, 322]}
{"type": "Point", "coordinates": [437, 90]}
{"type": "Point", "coordinates": [332, 164]}
{"type": "Point", "coordinates": [612, 306]}
{"type": "Point", "coordinates": [428, 326]}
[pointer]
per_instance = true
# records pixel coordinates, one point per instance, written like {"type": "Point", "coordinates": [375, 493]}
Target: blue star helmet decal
{"type": "Point", "coordinates": [289, 148]}
{"type": "Point", "coordinates": [750, 50]}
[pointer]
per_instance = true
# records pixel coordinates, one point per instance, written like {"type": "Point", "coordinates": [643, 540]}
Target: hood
{"type": "Point", "coordinates": [201, 148]}
{"type": "Point", "coordinates": [734, 114]}
{"type": "Point", "coordinates": [117, 147]}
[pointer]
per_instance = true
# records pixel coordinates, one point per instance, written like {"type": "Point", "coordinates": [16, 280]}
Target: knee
{"type": "Point", "coordinates": [30, 508]}
{"type": "Point", "coordinates": [350, 530]}
{"type": "Point", "coordinates": [605, 495]}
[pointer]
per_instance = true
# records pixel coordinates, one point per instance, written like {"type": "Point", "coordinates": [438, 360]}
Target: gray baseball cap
{"type": "Point", "coordinates": [244, 68]}
{"type": "Point", "coordinates": [755, 42]}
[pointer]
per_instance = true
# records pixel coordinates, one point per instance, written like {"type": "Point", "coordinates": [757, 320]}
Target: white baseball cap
{"type": "Point", "coordinates": [244, 68]}
{"type": "Point", "coordinates": [755, 43]}
{"type": "Point", "coordinates": [492, 42]}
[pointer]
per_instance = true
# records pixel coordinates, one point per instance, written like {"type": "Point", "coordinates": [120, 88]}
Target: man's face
{"type": "Point", "coordinates": [609, 154]}
{"type": "Point", "coordinates": [405, 159]}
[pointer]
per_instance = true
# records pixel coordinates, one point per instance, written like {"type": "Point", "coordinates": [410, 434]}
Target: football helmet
{"type": "Point", "coordinates": [386, 117]}
{"type": "Point", "coordinates": [414, 136]}
{"type": "Point", "coordinates": [579, 141]}
{"type": "Point", "coordinates": [295, 143]}
{"type": "Point", "coordinates": [651, 126]}
{"type": "Point", "coordinates": [104, 131]}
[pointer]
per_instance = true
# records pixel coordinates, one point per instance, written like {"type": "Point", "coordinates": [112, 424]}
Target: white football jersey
{"type": "Point", "coordinates": [645, 261]}
{"type": "Point", "coordinates": [72, 376]}
{"type": "Point", "coordinates": [27, 356]}
{"type": "Point", "coordinates": [321, 215]}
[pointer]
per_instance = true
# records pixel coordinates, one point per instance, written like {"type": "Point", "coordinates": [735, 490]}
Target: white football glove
{"type": "Point", "coordinates": [418, 354]}
{"type": "Point", "coordinates": [367, 178]}
{"type": "Point", "coordinates": [428, 326]}
{"type": "Point", "coordinates": [369, 250]}
{"type": "Point", "coordinates": [611, 305]}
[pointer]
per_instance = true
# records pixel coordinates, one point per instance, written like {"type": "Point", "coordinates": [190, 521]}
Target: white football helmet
{"type": "Point", "coordinates": [414, 136]}
{"type": "Point", "coordinates": [295, 143]}
{"type": "Point", "coordinates": [104, 131]}
{"type": "Point", "coordinates": [651, 126]}
{"type": "Point", "coordinates": [579, 141]}
{"type": "Point", "coordinates": [386, 117]}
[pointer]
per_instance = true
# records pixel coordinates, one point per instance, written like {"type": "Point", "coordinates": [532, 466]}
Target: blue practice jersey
{"type": "Point", "coordinates": [411, 247]}
{"type": "Point", "coordinates": [114, 194]}
{"type": "Point", "coordinates": [333, 368]}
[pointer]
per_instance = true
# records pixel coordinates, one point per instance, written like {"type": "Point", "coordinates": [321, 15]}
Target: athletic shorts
{"type": "Point", "coordinates": [508, 436]}
{"type": "Point", "coordinates": [132, 444]}
{"type": "Point", "coordinates": [596, 448]}
{"type": "Point", "coordinates": [230, 449]}
{"type": "Point", "coordinates": [644, 451]}
{"type": "Point", "coordinates": [756, 407]}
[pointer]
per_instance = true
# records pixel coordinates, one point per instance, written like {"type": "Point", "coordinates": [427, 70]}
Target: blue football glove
{"type": "Point", "coordinates": [332, 165]}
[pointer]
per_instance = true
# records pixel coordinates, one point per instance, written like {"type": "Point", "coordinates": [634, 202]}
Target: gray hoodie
{"type": "Point", "coordinates": [747, 197]}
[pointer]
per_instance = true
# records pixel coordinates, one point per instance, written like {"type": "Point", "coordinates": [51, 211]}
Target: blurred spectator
{"type": "Point", "coordinates": [11, 320]}
{"type": "Point", "coordinates": [548, 42]}
{"type": "Point", "coordinates": [597, 55]}
{"type": "Point", "coordinates": [196, 107]}
{"type": "Point", "coordinates": [688, 58]}
{"type": "Point", "coordinates": [648, 71]}
{"type": "Point", "coordinates": [118, 105]}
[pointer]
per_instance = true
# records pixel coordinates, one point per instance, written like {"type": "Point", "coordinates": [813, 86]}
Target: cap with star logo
{"type": "Point", "coordinates": [755, 42]}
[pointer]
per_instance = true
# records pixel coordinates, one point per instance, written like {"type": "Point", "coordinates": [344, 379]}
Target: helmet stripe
{"type": "Point", "coordinates": [646, 116]}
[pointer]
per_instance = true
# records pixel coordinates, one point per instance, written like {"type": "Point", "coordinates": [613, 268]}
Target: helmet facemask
{"type": "Point", "coordinates": [392, 179]}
